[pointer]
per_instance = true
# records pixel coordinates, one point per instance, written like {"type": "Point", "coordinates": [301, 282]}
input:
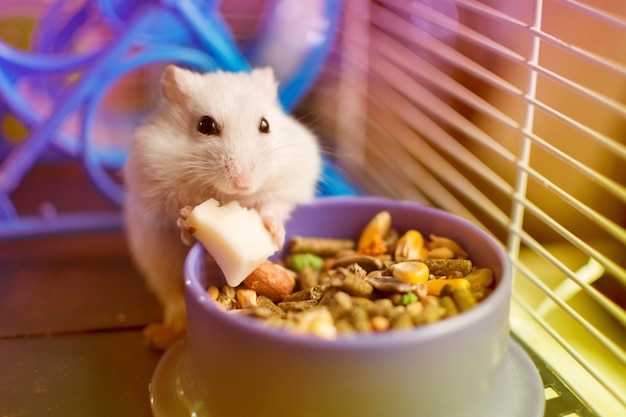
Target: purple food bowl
{"type": "Point", "coordinates": [463, 366]}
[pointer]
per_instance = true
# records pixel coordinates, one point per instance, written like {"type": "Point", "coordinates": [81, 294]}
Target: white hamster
{"type": "Point", "coordinates": [219, 135]}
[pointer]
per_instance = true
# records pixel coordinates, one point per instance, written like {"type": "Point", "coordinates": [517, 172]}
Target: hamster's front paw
{"type": "Point", "coordinates": [185, 235]}
{"type": "Point", "coordinates": [276, 229]}
{"type": "Point", "coordinates": [161, 336]}
{"type": "Point", "coordinates": [158, 336]}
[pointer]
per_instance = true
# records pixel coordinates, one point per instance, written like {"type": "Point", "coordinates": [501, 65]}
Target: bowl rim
{"type": "Point", "coordinates": [442, 328]}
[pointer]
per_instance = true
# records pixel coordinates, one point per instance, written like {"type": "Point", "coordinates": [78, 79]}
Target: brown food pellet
{"type": "Point", "coordinates": [320, 246]}
{"type": "Point", "coordinates": [448, 304]}
{"type": "Point", "coordinates": [338, 303]}
{"type": "Point", "coordinates": [263, 301]}
{"type": "Point", "coordinates": [297, 305]}
{"type": "Point", "coordinates": [464, 299]}
{"type": "Point", "coordinates": [402, 321]}
{"type": "Point", "coordinates": [344, 327]}
{"type": "Point", "coordinates": [307, 277]}
{"type": "Point", "coordinates": [313, 293]}
{"type": "Point", "coordinates": [430, 314]}
{"type": "Point", "coordinates": [351, 283]}
{"type": "Point", "coordinates": [446, 267]}
{"type": "Point", "coordinates": [359, 320]}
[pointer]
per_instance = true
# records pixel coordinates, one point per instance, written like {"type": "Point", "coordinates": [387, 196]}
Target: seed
{"type": "Point", "coordinates": [421, 290]}
{"type": "Point", "coordinates": [228, 302]}
{"type": "Point", "coordinates": [438, 241]}
{"type": "Point", "coordinates": [390, 284]}
{"type": "Point", "coordinates": [482, 276]}
{"type": "Point", "coordinates": [442, 252]}
{"type": "Point", "coordinates": [410, 246]}
{"type": "Point", "coordinates": [371, 239]}
{"type": "Point", "coordinates": [246, 298]}
{"type": "Point", "coordinates": [228, 291]}
{"type": "Point", "coordinates": [366, 262]}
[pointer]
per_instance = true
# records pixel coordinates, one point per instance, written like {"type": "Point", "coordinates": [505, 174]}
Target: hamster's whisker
{"type": "Point", "coordinates": [309, 118]}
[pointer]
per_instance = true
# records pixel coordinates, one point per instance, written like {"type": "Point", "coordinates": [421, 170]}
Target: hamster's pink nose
{"type": "Point", "coordinates": [243, 180]}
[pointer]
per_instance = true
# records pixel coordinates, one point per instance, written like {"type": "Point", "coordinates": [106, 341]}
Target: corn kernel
{"type": "Point", "coordinates": [436, 285]}
{"type": "Point", "coordinates": [410, 246]}
{"type": "Point", "coordinates": [411, 272]}
{"type": "Point", "coordinates": [371, 239]}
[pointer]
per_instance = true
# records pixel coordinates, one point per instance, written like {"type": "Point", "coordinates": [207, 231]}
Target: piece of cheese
{"type": "Point", "coordinates": [235, 236]}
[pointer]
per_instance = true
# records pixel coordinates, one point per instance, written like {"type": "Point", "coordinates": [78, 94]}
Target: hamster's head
{"type": "Point", "coordinates": [235, 136]}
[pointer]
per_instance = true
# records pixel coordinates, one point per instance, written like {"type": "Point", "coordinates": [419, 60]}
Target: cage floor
{"type": "Point", "coordinates": [71, 314]}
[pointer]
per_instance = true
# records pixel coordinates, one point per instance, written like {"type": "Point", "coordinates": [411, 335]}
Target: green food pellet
{"type": "Point", "coordinates": [408, 298]}
{"type": "Point", "coordinates": [300, 261]}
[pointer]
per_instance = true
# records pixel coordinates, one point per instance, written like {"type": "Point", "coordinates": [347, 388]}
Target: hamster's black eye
{"type": "Point", "coordinates": [208, 126]}
{"type": "Point", "coordinates": [264, 126]}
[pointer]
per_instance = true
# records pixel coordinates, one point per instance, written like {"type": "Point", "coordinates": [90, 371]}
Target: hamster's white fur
{"type": "Point", "coordinates": [172, 165]}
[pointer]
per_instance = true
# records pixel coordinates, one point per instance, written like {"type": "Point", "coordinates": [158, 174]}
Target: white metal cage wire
{"type": "Point", "coordinates": [512, 115]}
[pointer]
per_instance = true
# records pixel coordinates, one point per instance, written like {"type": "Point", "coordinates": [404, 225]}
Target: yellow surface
{"type": "Point", "coordinates": [543, 324]}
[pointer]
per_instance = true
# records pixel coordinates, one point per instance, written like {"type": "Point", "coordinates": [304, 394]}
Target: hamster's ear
{"type": "Point", "coordinates": [265, 79]}
{"type": "Point", "coordinates": [176, 84]}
